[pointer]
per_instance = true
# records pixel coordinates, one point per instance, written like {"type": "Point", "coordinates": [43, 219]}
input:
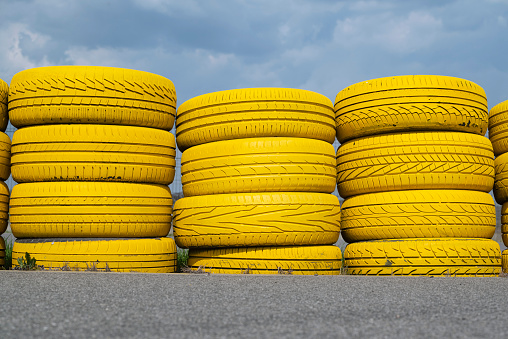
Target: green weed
{"type": "Point", "coordinates": [8, 255]}
{"type": "Point", "coordinates": [27, 263]}
{"type": "Point", "coordinates": [182, 258]}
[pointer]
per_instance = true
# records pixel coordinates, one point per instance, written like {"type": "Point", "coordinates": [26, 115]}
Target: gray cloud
{"type": "Point", "coordinates": [205, 46]}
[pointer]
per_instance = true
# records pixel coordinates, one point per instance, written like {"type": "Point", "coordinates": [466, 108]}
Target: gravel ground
{"type": "Point", "coordinates": [132, 305]}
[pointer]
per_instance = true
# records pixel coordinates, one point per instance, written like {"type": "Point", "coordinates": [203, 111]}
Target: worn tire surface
{"type": "Point", "coordinates": [257, 219]}
{"type": "Point", "coordinates": [410, 103]}
{"type": "Point", "coordinates": [90, 210]}
{"type": "Point", "coordinates": [4, 207]}
{"type": "Point", "coordinates": [418, 214]}
{"type": "Point", "coordinates": [259, 165]}
{"type": "Point", "coordinates": [254, 112]}
{"type": "Point", "coordinates": [4, 114]}
{"type": "Point", "coordinates": [498, 128]}
{"type": "Point", "coordinates": [419, 160]}
{"type": "Point", "coordinates": [5, 156]}
{"type": "Point", "coordinates": [93, 153]}
{"type": "Point", "coordinates": [431, 256]}
{"type": "Point", "coordinates": [152, 255]}
{"type": "Point", "coordinates": [298, 260]}
{"type": "Point", "coordinates": [91, 95]}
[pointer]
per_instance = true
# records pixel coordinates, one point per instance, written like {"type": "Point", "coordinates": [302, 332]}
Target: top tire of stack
{"type": "Point", "coordinates": [4, 117]}
{"type": "Point", "coordinates": [410, 103]}
{"type": "Point", "coordinates": [91, 95]}
{"type": "Point", "coordinates": [498, 128]}
{"type": "Point", "coordinates": [254, 112]}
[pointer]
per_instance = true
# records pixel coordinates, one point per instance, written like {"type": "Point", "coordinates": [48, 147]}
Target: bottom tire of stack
{"type": "Point", "coordinates": [149, 255]}
{"type": "Point", "coordinates": [256, 219]}
{"type": "Point", "coordinates": [418, 214]}
{"type": "Point", "coordinates": [90, 210]}
{"type": "Point", "coordinates": [432, 256]}
{"type": "Point", "coordinates": [297, 260]}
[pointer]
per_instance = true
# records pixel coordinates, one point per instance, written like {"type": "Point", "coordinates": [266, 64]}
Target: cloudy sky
{"type": "Point", "coordinates": [210, 45]}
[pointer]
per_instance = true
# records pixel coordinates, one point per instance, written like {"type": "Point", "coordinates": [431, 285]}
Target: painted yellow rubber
{"type": "Point", "coordinates": [254, 112]}
{"type": "Point", "coordinates": [501, 178]}
{"type": "Point", "coordinates": [4, 207]}
{"type": "Point", "coordinates": [298, 260]}
{"type": "Point", "coordinates": [93, 153]}
{"type": "Point", "coordinates": [418, 214]}
{"type": "Point", "coordinates": [120, 255]}
{"type": "Point", "coordinates": [259, 165]}
{"type": "Point", "coordinates": [505, 261]}
{"type": "Point", "coordinates": [257, 219]}
{"type": "Point", "coordinates": [2, 252]}
{"type": "Point", "coordinates": [410, 103]}
{"type": "Point", "coordinates": [419, 160]}
{"type": "Point", "coordinates": [498, 128]}
{"type": "Point", "coordinates": [90, 210]}
{"type": "Point", "coordinates": [91, 95]}
{"type": "Point", "coordinates": [431, 256]}
{"type": "Point", "coordinates": [5, 156]}
{"type": "Point", "coordinates": [4, 116]}
{"type": "Point", "coordinates": [504, 223]}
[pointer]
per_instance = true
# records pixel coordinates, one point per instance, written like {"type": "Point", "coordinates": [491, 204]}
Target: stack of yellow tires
{"type": "Point", "coordinates": [92, 157]}
{"type": "Point", "coordinates": [5, 166]}
{"type": "Point", "coordinates": [416, 172]}
{"type": "Point", "coordinates": [258, 170]}
{"type": "Point", "coordinates": [498, 134]}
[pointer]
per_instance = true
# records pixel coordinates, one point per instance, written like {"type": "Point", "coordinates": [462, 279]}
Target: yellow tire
{"type": "Point", "coordinates": [4, 115]}
{"type": "Point", "coordinates": [410, 103]}
{"type": "Point", "coordinates": [259, 165]}
{"type": "Point", "coordinates": [418, 214]}
{"type": "Point", "coordinates": [93, 153]}
{"type": "Point", "coordinates": [253, 113]}
{"type": "Point", "coordinates": [252, 219]}
{"type": "Point", "coordinates": [431, 256]}
{"type": "Point", "coordinates": [5, 156]}
{"type": "Point", "coordinates": [298, 260]}
{"type": "Point", "coordinates": [90, 210]}
{"type": "Point", "coordinates": [419, 160]}
{"type": "Point", "coordinates": [2, 252]}
{"type": "Point", "coordinates": [4, 207]}
{"type": "Point", "coordinates": [498, 128]}
{"type": "Point", "coordinates": [504, 223]}
{"type": "Point", "coordinates": [501, 179]}
{"type": "Point", "coordinates": [155, 255]}
{"type": "Point", "coordinates": [91, 95]}
{"type": "Point", "coordinates": [505, 261]}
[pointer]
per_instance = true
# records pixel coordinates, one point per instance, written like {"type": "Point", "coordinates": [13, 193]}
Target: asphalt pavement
{"type": "Point", "coordinates": [134, 305]}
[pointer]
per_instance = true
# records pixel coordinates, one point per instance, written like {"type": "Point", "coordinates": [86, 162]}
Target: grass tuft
{"type": "Point", "coordinates": [182, 259]}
